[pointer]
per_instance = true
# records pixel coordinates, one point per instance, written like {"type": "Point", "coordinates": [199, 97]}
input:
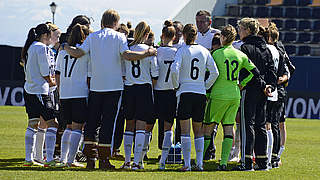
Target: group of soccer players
{"type": "Point", "coordinates": [99, 80]}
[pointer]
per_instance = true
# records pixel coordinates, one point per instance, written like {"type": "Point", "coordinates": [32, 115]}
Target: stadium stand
{"type": "Point", "coordinates": [297, 20]}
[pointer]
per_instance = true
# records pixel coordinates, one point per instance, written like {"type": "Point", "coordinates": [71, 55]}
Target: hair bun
{"type": "Point", "coordinates": [168, 23]}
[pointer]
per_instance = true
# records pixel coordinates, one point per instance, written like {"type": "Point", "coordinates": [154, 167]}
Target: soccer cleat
{"type": "Point", "coordinates": [53, 163]}
{"type": "Point", "coordinates": [28, 163]}
{"type": "Point", "coordinates": [162, 166]}
{"type": "Point", "coordinates": [242, 167]}
{"type": "Point", "coordinates": [80, 157]}
{"type": "Point", "coordinates": [106, 165]}
{"type": "Point", "coordinates": [197, 168]}
{"type": "Point", "coordinates": [126, 165]}
{"type": "Point", "coordinates": [275, 164]}
{"type": "Point", "coordinates": [222, 167]}
{"type": "Point", "coordinates": [184, 169]}
{"type": "Point", "coordinates": [117, 156]}
{"type": "Point", "coordinates": [135, 167]}
{"type": "Point", "coordinates": [75, 164]}
{"type": "Point", "coordinates": [39, 162]}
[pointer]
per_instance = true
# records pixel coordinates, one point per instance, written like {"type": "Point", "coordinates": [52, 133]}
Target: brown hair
{"type": "Point", "coordinates": [190, 32]}
{"type": "Point", "coordinates": [109, 17]}
{"type": "Point", "coordinates": [263, 32]}
{"type": "Point", "coordinates": [78, 34]}
{"type": "Point", "coordinates": [251, 24]}
{"type": "Point", "coordinates": [124, 28]}
{"type": "Point", "coordinates": [139, 33]}
{"type": "Point", "coordinates": [203, 13]}
{"type": "Point", "coordinates": [168, 30]}
{"type": "Point", "coordinates": [34, 35]}
{"type": "Point", "coordinates": [273, 32]}
{"type": "Point", "coordinates": [230, 33]}
{"type": "Point", "coordinates": [216, 39]}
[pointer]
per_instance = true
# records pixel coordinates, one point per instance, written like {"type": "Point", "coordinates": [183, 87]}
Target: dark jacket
{"type": "Point", "coordinates": [282, 51]}
{"type": "Point", "coordinates": [256, 50]}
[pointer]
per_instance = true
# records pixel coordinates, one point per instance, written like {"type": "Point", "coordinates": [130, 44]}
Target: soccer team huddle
{"type": "Point", "coordinates": [197, 76]}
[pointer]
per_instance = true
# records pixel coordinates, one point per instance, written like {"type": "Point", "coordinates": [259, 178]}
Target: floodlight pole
{"type": "Point", "coordinates": [53, 7]}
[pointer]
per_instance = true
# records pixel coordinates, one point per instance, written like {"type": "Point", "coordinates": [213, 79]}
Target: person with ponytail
{"type": "Point", "coordinates": [39, 78]}
{"type": "Point", "coordinates": [188, 77]}
{"type": "Point", "coordinates": [138, 100]}
{"type": "Point", "coordinates": [72, 76]}
{"type": "Point", "coordinates": [164, 94]}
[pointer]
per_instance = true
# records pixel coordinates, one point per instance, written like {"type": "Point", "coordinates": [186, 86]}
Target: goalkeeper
{"type": "Point", "coordinates": [224, 99]}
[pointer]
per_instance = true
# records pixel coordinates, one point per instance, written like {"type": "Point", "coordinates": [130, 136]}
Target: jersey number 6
{"type": "Point", "coordinates": [194, 73]}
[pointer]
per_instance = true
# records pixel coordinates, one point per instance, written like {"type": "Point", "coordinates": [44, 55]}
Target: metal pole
{"type": "Point", "coordinates": [53, 18]}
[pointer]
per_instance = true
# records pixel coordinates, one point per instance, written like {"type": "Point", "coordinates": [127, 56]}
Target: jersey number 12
{"type": "Point", "coordinates": [234, 62]}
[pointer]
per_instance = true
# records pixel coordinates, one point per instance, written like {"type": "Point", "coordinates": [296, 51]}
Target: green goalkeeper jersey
{"type": "Point", "coordinates": [229, 62]}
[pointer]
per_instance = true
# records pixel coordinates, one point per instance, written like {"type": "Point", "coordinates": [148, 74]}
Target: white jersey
{"type": "Point", "coordinates": [73, 75]}
{"type": "Point", "coordinates": [179, 44]}
{"type": "Point", "coordinates": [189, 67]}
{"type": "Point", "coordinates": [205, 39]}
{"type": "Point", "coordinates": [105, 48]}
{"type": "Point", "coordinates": [138, 72]}
{"type": "Point", "coordinates": [165, 58]}
{"type": "Point", "coordinates": [38, 65]}
{"type": "Point", "coordinates": [275, 55]}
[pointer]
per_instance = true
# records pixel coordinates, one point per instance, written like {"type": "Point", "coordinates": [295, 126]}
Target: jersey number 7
{"type": "Point", "coordinates": [168, 71]}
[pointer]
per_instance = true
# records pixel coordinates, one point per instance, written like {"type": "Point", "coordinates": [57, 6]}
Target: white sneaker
{"type": "Point", "coordinates": [135, 167]}
{"type": "Point", "coordinates": [126, 165]}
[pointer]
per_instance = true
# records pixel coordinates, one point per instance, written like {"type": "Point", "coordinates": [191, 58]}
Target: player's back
{"type": "Point", "coordinates": [73, 75]}
{"type": "Point", "coordinates": [229, 62]}
{"type": "Point", "coordinates": [193, 59]}
{"type": "Point", "coordinates": [165, 58]}
{"type": "Point", "coordinates": [141, 71]}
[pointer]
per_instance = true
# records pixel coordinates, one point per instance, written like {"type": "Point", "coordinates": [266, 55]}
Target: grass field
{"type": "Point", "coordinates": [301, 159]}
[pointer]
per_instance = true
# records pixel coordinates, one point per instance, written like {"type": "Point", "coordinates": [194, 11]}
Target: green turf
{"type": "Point", "coordinates": [301, 159]}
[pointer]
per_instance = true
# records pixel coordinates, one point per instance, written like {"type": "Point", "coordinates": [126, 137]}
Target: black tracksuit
{"type": "Point", "coordinates": [254, 135]}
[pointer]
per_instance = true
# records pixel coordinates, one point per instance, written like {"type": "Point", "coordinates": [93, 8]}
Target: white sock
{"type": "Point", "coordinates": [282, 148]}
{"type": "Point", "coordinates": [50, 142]}
{"type": "Point", "coordinates": [138, 145]}
{"type": "Point", "coordinates": [29, 142]}
{"type": "Point", "coordinates": [81, 145]}
{"type": "Point", "coordinates": [74, 144]}
{"type": "Point", "coordinates": [270, 145]}
{"type": "Point", "coordinates": [145, 146]}
{"type": "Point", "coordinates": [166, 145]}
{"type": "Point", "coordinates": [38, 154]}
{"type": "Point", "coordinates": [65, 144]}
{"type": "Point", "coordinates": [186, 150]}
{"type": "Point", "coordinates": [127, 143]}
{"type": "Point", "coordinates": [199, 146]}
{"type": "Point", "coordinates": [237, 141]}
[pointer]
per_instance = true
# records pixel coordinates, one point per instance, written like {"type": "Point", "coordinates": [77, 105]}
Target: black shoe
{"type": "Point", "coordinates": [261, 167]}
{"type": "Point", "coordinates": [222, 167]}
{"type": "Point", "coordinates": [242, 167]}
{"type": "Point", "coordinates": [106, 165]}
{"type": "Point", "coordinates": [91, 164]}
{"type": "Point", "coordinates": [275, 165]}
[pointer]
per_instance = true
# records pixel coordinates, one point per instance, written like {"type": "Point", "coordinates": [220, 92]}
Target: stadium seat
{"type": "Point", "coordinates": [279, 23]}
{"type": "Point", "coordinates": [276, 12]}
{"type": "Point", "coordinates": [261, 2]}
{"type": "Point", "coordinates": [233, 21]}
{"type": "Point", "coordinates": [304, 13]}
{"type": "Point", "coordinates": [234, 10]}
{"type": "Point", "coordinates": [218, 22]}
{"type": "Point", "coordinates": [275, 2]}
{"type": "Point", "coordinates": [304, 50]}
{"type": "Point", "coordinates": [291, 12]}
{"type": "Point", "coordinates": [304, 2]}
{"type": "Point", "coordinates": [280, 35]}
{"type": "Point", "coordinates": [290, 49]}
{"type": "Point", "coordinates": [290, 24]}
{"type": "Point", "coordinates": [304, 25]}
{"type": "Point", "coordinates": [316, 25]}
{"type": "Point", "coordinates": [315, 3]}
{"type": "Point", "coordinates": [246, 11]}
{"type": "Point", "coordinates": [290, 37]}
{"type": "Point", "coordinates": [316, 13]}
{"type": "Point", "coordinates": [289, 2]}
{"type": "Point", "coordinates": [316, 38]}
{"type": "Point", "coordinates": [248, 1]}
{"type": "Point", "coordinates": [262, 12]}
{"type": "Point", "coordinates": [304, 37]}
